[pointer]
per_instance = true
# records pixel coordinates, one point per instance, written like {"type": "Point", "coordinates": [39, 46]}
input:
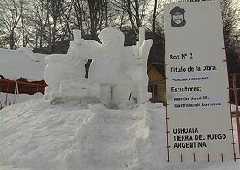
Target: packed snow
{"type": "Point", "coordinates": [37, 135]}
{"type": "Point", "coordinates": [17, 98]}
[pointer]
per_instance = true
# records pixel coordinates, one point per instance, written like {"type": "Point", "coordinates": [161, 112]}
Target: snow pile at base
{"type": "Point", "coordinates": [17, 98]}
{"type": "Point", "coordinates": [21, 63]}
{"type": "Point", "coordinates": [36, 135]}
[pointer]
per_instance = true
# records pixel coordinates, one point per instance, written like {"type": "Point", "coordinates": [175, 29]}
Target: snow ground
{"type": "Point", "coordinates": [12, 98]}
{"type": "Point", "coordinates": [36, 135]}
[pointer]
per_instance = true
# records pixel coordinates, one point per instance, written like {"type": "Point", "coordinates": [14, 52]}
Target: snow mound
{"type": "Point", "coordinates": [18, 98]}
{"type": "Point", "coordinates": [36, 135]}
{"type": "Point", "coordinates": [21, 63]}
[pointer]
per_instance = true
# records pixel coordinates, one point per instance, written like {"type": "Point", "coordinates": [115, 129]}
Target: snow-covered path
{"type": "Point", "coordinates": [107, 142]}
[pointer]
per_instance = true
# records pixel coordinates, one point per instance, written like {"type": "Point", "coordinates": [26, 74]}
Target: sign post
{"type": "Point", "coordinates": [198, 114]}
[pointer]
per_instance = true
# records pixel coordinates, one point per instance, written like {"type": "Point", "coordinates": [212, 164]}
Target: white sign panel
{"type": "Point", "coordinates": [199, 121]}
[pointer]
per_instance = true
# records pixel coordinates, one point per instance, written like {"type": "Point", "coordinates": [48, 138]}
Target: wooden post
{"type": "Point", "coordinates": [235, 92]}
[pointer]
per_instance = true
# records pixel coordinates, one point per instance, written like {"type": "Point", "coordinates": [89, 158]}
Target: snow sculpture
{"type": "Point", "coordinates": [110, 68]}
{"type": "Point", "coordinates": [65, 74]}
{"type": "Point", "coordinates": [139, 74]}
{"type": "Point", "coordinates": [117, 75]}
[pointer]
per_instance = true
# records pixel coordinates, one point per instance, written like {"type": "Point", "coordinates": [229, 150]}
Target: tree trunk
{"type": "Point", "coordinates": [154, 16]}
{"type": "Point", "coordinates": [79, 14]}
{"type": "Point", "coordinates": [93, 10]}
{"type": "Point", "coordinates": [12, 39]}
{"type": "Point", "coordinates": [22, 26]}
{"type": "Point", "coordinates": [54, 31]}
{"type": "Point", "coordinates": [36, 38]}
{"type": "Point", "coordinates": [130, 15]}
{"type": "Point", "coordinates": [137, 16]}
{"type": "Point", "coordinates": [49, 26]}
{"type": "Point", "coordinates": [106, 13]}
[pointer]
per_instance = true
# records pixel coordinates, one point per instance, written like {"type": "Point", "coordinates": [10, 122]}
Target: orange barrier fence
{"type": "Point", "coordinates": [22, 86]}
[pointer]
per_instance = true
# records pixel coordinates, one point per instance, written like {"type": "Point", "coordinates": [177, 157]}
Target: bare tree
{"type": "Point", "coordinates": [136, 11]}
{"type": "Point", "coordinates": [154, 16]}
{"type": "Point", "coordinates": [9, 20]}
{"type": "Point", "coordinates": [79, 14]}
{"type": "Point", "coordinates": [230, 20]}
{"type": "Point", "coordinates": [96, 16]}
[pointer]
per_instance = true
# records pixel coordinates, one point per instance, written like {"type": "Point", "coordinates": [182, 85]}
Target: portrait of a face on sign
{"type": "Point", "coordinates": [177, 17]}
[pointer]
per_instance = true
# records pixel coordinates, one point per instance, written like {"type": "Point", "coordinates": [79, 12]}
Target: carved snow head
{"type": "Point", "coordinates": [111, 37]}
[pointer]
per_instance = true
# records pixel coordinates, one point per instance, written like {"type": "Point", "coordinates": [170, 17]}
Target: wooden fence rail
{"type": "Point", "coordinates": [234, 88]}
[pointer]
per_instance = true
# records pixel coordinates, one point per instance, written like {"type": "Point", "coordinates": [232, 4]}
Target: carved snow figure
{"type": "Point", "coordinates": [110, 68]}
{"type": "Point", "coordinates": [121, 71]}
{"type": "Point", "coordinates": [139, 74]}
{"type": "Point", "coordinates": [117, 74]}
{"type": "Point", "coordinates": [79, 87]}
{"type": "Point", "coordinates": [65, 74]}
